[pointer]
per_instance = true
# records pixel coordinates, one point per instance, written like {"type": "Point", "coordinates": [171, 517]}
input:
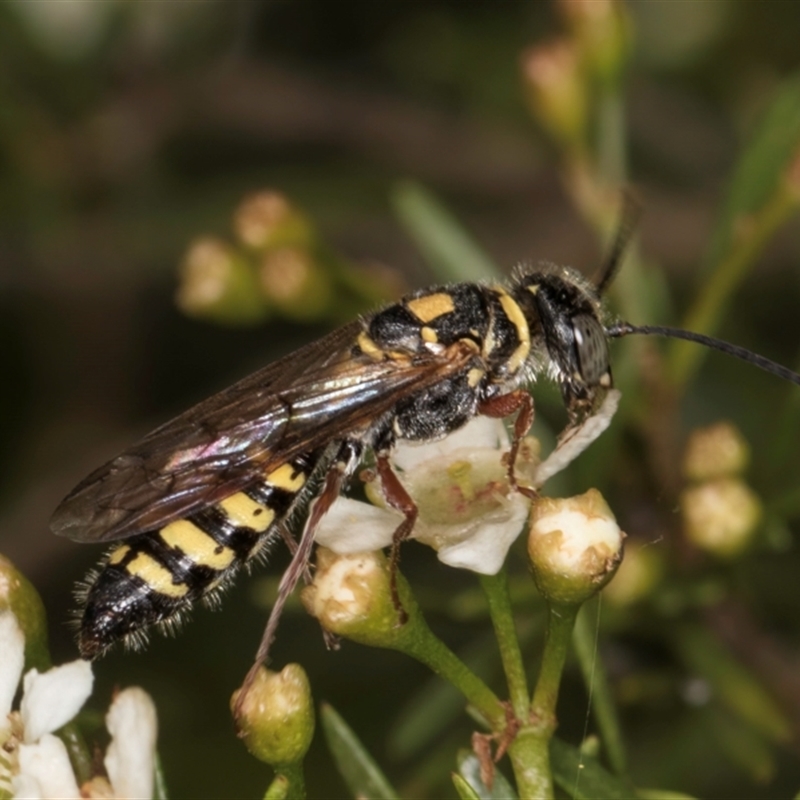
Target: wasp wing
{"type": "Point", "coordinates": [301, 402]}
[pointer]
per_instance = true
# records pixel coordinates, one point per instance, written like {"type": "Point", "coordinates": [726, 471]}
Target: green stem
{"type": "Point", "coordinates": [529, 753]}
{"type": "Point", "coordinates": [289, 783]}
{"type": "Point", "coordinates": [560, 622]}
{"type": "Point", "coordinates": [596, 680]}
{"type": "Point", "coordinates": [497, 595]}
{"type": "Point", "coordinates": [704, 316]}
{"type": "Point", "coordinates": [420, 643]}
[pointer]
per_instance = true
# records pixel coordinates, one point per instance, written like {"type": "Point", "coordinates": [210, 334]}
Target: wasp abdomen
{"type": "Point", "coordinates": [155, 577]}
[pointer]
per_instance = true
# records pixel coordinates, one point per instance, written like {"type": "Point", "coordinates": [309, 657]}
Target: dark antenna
{"type": "Point", "coordinates": [628, 222]}
{"type": "Point", "coordinates": [620, 329]}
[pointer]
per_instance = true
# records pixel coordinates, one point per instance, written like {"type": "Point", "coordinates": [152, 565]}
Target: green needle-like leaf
{"type": "Point", "coordinates": [451, 252]}
{"type": "Point", "coordinates": [359, 770]}
{"type": "Point", "coordinates": [582, 778]}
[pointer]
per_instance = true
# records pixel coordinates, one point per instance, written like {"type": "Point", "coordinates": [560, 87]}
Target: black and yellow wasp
{"type": "Point", "coordinates": [202, 495]}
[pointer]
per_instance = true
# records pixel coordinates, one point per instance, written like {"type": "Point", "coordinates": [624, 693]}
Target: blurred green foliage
{"type": "Point", "coordinates": [402, 131]}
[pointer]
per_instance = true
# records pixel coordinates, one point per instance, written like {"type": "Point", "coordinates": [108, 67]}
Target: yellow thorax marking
{"type": "Point", "coordinates": [429, 335]}
{"type": "Point", "coordinates": [517, 318]}
{"type": "Point", "coordinates": [197, 545]}
{"type": "Point", "coordinates": [431, 306]}
{"type": "Point", "coordinates": [156, 576]}
{"type": "Point", "coordinates": [368, 347]}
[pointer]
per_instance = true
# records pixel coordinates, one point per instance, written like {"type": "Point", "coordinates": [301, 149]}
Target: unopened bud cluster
{"type": "Point", "coordinates": [276, 264]}
{"type": "Point", "coordinates": [720, 511]}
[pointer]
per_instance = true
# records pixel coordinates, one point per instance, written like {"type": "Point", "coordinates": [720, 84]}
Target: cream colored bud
{"type": "Point", "coordinates": [715, 451]}
{"type": "Point", "coordinates": [351, 597]}
{"type": "Point", "coordinates": [721, 516]}
{"type": "Point", "coordinates": [267, 219]}
{"type": "Point", "coordinates": [294, 282]}
{"type": "Point", "coordinates": [217, 283]}
{"type": "Point", "coordinates": [350, 592]}
{"type": "Point", "coordinates": [575, 546]}
{"type": "Point", "coordinates": [276, 718]}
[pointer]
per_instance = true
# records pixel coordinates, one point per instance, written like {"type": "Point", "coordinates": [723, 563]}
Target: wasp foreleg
{"type": "Point", "coordinates": [505, 405]}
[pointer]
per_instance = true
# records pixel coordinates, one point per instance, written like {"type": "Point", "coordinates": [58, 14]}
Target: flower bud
{"type": "Point", "coordinates": [217, 283]}
{"type": "Point", "coordinates": [715, 451]}
{"type": "Point", "coordinates": [293, 282]}
{"type": "Point", "coordinates": [638, 574]}
{"type": "Point", "coordinates": [792, 176]}
{"type": "Point", "coordinates": [603, 34]}
{"type": "Point", "coordinates": [721, 516]}
{"type": "Point", "coordinates": [18, 595]}
{"type": "Point", "coordinates": [556, 90]}
{"type": "Point", "coordinates": [351, 597]}
{"type": "Point", "coordinates": [267, 219]}
{"type": "Point", "coordinates": [575, 546]}
{"type": "Point", "coordinates": [276, 718]}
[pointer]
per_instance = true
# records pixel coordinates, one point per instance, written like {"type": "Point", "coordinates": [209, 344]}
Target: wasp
{"type": "Point", "coordinates": [203, 495]}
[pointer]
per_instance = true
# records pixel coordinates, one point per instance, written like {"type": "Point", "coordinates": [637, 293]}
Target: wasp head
{"type": "Point", "coordinates": [563, 311]}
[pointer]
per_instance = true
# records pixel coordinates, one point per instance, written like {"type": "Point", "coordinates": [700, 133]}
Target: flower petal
{"type": "Point", "coordinates": [485, 548]}
{"type": "Point", "coordinates": [480, 432]}
{"type": "Point", "coordinates": [53, 698]}
{"type": "Point", "coordinates": [47, 762]}
{"type": "Point", "coordinates": [351, 526]}
{"type": "Point", "coordinates": [589, 430]}
{"type": "Point", "coordinates": [12, 660]}
{"type": "Point", "coordinates": [130, 758]}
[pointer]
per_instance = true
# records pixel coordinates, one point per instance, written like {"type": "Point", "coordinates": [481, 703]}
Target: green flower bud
{"type": "Point", "coordinates": [603, 33]}
{"type": "Point", "coordinates": [219, 284]}
{"type": "Point", "coordinates": [267, 220]}
{"type": "Point", "coordinates": [721, 516]}
{"type": "Point", "coordinates": [276, 718]}
{"type": "Point", "coordinates": [715, 451]}
{"type": "Point", "coordinates": [556, 90]}
{"type": "Point", "coordinates": [351, 597]}
{"type": "Point", "coordinates": [575, 546]}
{"type": "Point", "coordinates": [18, 595]}
{"type": "Point", "coordinates": [637, 576]}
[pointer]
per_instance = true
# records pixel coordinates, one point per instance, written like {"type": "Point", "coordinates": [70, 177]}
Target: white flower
{"type": "Point", "coordinates": [467, 511]}
{"type": "Point", "coordinates": [51, 699]}
{"type": "Point", "coordinates": [130, 758]}
{"type": "Point", "coordinates": [33, 762]}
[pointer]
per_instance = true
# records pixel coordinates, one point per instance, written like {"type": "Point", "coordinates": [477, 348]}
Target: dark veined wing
{"type": "Point", "coordinates": [298, 403]}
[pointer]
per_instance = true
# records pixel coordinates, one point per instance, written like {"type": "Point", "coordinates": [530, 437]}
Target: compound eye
{"type": "Point", "coordinates": [592, 348]}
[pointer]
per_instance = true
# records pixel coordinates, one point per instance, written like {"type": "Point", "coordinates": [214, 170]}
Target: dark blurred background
{"type": "Point", "coordinates": [128, 129]}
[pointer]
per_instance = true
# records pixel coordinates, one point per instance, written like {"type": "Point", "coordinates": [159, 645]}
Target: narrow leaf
{"type": "Point", "coordinates": [582, 778]}
{"type": "Point", "coordinates": [447, 247]}
{"type": "Point", "coordinates": [359, 770]}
